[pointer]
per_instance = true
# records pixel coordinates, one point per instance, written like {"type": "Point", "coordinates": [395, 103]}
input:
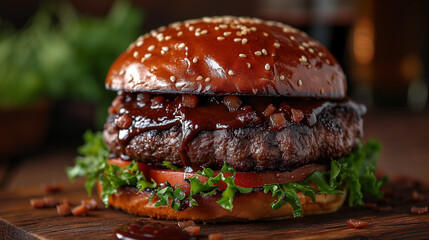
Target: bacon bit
{"type": "Point", "coordinates": [190, 101]}
{"type": "Point", "coordinates": [158, 100]}
{"type": "Point", "coordinates": [216, 236]}
{"type": "Point", "coordinates": [51, 187]}
{"type": "Point", "coordinates": [91, 204]}
{"type": "Point", "coordinates": [354, 223]}
{"type": "Point", "coordinates": [370, 205]}
{"type": "Point", "coordinates": [269, 110]}
{"type": "Point", "coordinates": [123, 121]}
{"type": "Point", "coordinates": [232, 103]}
{"type": "Point", "coordinates": [80, 210]}
{"type": "Point", "coordinates": [186, 224]}
{"type": "Point", "coordinates": [384, 209]}
{"type": "Point", "coordinates": [64, 210]}
{"type": "Point", "coordinates": [50, 201]}
{"type": "Point", "coordinates": [37, 203]}
{"type": "Point", "coordinates": [417, 197]}
{"type": "Point", "coordinates": [417, 210]}
{"type": "Point", "coordinates": [143, 97]}
{"type": "Point", "coordinates": [278, 121]}
{"type": "Point", "coordinates": [296, 115]}
{"type": "Point", "coordinates": [193, 230]}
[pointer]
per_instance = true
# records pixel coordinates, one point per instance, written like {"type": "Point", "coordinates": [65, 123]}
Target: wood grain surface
{"type": "Point", "coordinates": [19, 221]}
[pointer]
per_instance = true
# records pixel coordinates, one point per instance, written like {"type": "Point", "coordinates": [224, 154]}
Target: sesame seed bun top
{"type": "Point", "coordinates": [228, 55]}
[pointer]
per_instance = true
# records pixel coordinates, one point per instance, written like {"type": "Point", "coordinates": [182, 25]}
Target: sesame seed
{"type": "Point", "coordinates": [301, 47]}
{"type": "Point", "coordinates": [167, 38]}
{"type": "Point", "coordinates": [207, 80]}
{"type": "Point", "coordinates": [264, 51]}
{"type": "Point", "coordinates": [276, 45]}
{"type": "Point", "coordinates": [244, 41]}
{"type": "Point", "coordinates": [198, 30]}
{"type": "Point", "coordinates": [220, 38]}
{"type": "Point", "coordinates": [216, 28]}
{"type": "Point", "coordinates": [255, 91]}
{"type": "Point", "coordinates": [197, 33]}
{"type": "Point", "coordinates": [299, 82]}
{"type": "Point", "coordinates": [267, 67]}
{"type": "Point", "coordinates": [172, 78]}
{"type": "Point", "coordinates": [182, 45]}
{"type": "Point", "coordinates": [237, 39]}
{"type": "Point", "coordinates": [327, 61]}
{"type": "Point", "coordinates": [311, 50]}
{"type": "Point", "coordinates": [122, 72]}
{"type": "Point", "coordinates": [195, 60]}
{"type": "Point", "coordinates": [265, 34]}
{"type": "Point", "coordinates": [199, 78]}
{"type": "Point", "coordinates": [282, 77]}
{"type": "Point", "coordinates": [226, 34]}
{"type": "Point", "coordinates": [258, 53]}
{"type": "Point", "coordinates": [148, 55]}
{"type": "Point", "coordinates": [142, 60]}
{"type": "Point", "coordinates": [139, 43]}
{"type": "Point", "coordinates": [292, 38]}
{"type": "Point", "coordinates": [179, 33]}
{"type": "Point", "coordinates": [162, 52]}
{"type": "Point", "coordinates": [305, 44]}
{"type": "Point", "coordinates": [191, 28]}
{"type": "Point", "coordinates": [242, 55]}
{"type": "Point", "coordinates": [253, 29]}
{"type": "Point", "coordinates": [238, 33]}
{"type": "Point", "coordinates": [231, 73]}
{"type": "Point", "coordinates": [151, 48]}
{"type": "Point", "coordinates": [309, 66]}
{"type": "Point", "coordinates": [135, 54]}
{"type": "Point", "coordinates": [248, 65]}
{"type": "Point", "coordinates": [223, 26]}
{"type": "Point", "coordinates": [165, 49]}
{"type": "Point", "coordinates": [320, 54]}
{"type": "Point", "coordinates": [203, 32]}
{"type": "Point", "coordinates": [303, 59]}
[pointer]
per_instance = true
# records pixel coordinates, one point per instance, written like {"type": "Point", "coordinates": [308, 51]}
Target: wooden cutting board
{"type": "Point", "coordinates": [19, 221]}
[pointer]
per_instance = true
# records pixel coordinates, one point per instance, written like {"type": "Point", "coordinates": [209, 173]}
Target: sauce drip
{"type": "Point", "coordinates": [140, 112]}
{"type": "Point", "coordinates": [142, 229]}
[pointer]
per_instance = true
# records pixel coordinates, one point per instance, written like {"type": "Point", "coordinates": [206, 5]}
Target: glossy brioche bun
{"type": "Point", "coordinates": [251, 206]}
{"type": "Point", "coordinates": [228, 56]}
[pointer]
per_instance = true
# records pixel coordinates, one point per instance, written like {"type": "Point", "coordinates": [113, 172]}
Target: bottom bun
{"type": "Point", "coordinates": [251, 206]}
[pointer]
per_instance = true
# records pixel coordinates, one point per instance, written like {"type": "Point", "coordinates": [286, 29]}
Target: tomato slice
{"type": "Point", "coordinates": [242, 179]}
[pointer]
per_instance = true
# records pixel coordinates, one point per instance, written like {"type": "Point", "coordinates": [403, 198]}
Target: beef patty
{"type": "Point", "coordinates": [336, 133]}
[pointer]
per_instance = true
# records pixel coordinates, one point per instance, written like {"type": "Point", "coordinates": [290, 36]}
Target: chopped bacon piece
{"type": "Point", "coordinates": [354, 223]}
{"type": "Point", "coordinates": [50, 201]}
{"type": "Point", "coordinates": [37, 203]}
{"type": "Point", "coordinates": [64, 209]}
{"type": "Point", "coordinates": [123, 121]}
{"type": "Point", "coordinates": [186, 224]}
{"type": "Point", "coordinates": [157, 101]}
{"type": "Point", "coordinates": [384, 209]}
{"type": "Point", "coordinates": [91, 204]}
{"type": "Point", "coordinates": [232, 103]}
{"type": "Point", "coordinates": [80, 210]}
{"type": "Point", "coordinates": [278, 121]}
{"type": "Point", "coordinates": [216, 236]}
{"type": "Point", "coordinates": [190, 101]}
{"type": "Point", "coordinates": [193, 230]}
{"type": "Point", "coordinates": [418, 197]}
{"type": "Point", "coordinates": [419, 210]}
{"type": "Point", "coordinates": [370, 205]}
{"type": "Point", "coordinates": [269, 110]}
{"type": "Point", "coordinates": [51, 187]}
{"type": "Point", "coordinates": [296, 115]}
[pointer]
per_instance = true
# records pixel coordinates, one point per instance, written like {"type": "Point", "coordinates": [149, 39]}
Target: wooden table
{"type": "Point", "coordinates": [405, 141]}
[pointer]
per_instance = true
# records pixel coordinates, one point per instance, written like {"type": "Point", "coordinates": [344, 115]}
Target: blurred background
{"type": "Point", "coordinates": [54, 56]}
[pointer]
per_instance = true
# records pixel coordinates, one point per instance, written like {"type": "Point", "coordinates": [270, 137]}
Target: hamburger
{"type": "Point", "coordinates": [229, 119]}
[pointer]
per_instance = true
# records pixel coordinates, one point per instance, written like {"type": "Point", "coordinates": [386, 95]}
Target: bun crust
{"type": "Point", "coordinates": [251, 206]}
{"type": "Point", "coordinates": [228, 56]}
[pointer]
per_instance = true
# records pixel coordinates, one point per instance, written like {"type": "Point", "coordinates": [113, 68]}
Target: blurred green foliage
{"type": "Point", "coordinates": [61, 54]}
